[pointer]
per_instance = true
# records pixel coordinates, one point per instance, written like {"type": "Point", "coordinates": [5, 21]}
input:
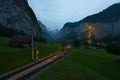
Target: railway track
{"type": "Point", "coordinates": [25, 71]}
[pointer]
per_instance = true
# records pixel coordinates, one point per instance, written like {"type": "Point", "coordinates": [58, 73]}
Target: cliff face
{"type": "Point", "coordinates": [102, 30]}
{"type": "Point", "coordinates": [105, 24]}
{"type": "Point", "coordinates": [42, 26]}
{"type": "Point", "coordinates": [44, 30]}
{"type": "Point", "coordinates": [68, 32]}
{"type": "Point", "coordinates": [18, 15]}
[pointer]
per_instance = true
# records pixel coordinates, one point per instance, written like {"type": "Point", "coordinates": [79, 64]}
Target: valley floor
{"type": "Point", "coordinates": [11, 57]}
{"type": "Point", "coordinates": [82, 64]}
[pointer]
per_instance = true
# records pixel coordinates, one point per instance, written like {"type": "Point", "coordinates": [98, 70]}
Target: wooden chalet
{"type": "Point", "coordinates": [24, 41]}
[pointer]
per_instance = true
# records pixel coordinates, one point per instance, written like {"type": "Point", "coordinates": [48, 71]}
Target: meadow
{"type": "Point", "coordinates": [84, 64]}
{"type": "Point", "coordinates": [11, 57]}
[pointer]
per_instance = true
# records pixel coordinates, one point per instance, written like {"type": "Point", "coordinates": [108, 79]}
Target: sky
{"type": "Point", "coordinates": [55, 13]}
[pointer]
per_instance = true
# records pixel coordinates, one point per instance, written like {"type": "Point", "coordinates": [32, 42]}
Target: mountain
{"type": "Point", "coordinates": [111, 14]}
{"type": "Point", "coordinates": [45, 32]}
{"type": "Point", "coordinates": [106, 25]}
{"type": "Point", "coordinates": [42, 26]}
{"type": "Point", "coordinates": [17, 15]}
{"type": "Point", "coordinates": [52, 32]}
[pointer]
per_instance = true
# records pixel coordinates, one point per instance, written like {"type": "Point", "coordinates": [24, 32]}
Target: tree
{"type": "Point", "coordinates": [114, 48]}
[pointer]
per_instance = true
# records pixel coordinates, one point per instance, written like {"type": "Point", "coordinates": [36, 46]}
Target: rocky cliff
{"type": "Point", "coordinates": [42, 26]}
{"type": "Point", "coordinates": [105, 24]}
{"type": "Point", "coordinates": [17, 14]}
{"type": "Point", "coordinates": [44, 30]}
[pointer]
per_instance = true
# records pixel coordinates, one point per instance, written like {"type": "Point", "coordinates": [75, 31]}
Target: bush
{"type": "Point", "coordinates": [76, 43]}
{"type": "Point", "coordinates": [113, 47]}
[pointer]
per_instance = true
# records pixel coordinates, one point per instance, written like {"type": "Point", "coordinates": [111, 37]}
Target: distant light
{"type": "Point", "coordinates": [90, 28]}
{"type": "Point", "coordinates": [68, 46]}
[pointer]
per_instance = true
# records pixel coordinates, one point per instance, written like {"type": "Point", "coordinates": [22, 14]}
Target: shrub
{"type": "Point", "coordinates": [76, 43]}
{"type": "Point", "coordinates": [113, 47]}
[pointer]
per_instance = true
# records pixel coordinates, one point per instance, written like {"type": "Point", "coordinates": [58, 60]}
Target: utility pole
{"type": "Point", "coordinates": [33, 44]}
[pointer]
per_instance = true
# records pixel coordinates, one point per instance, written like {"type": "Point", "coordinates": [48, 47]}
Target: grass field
{"type": "Point", "coordinates": [82, 64]}
{"type": "Point", "coordinates": [11, 58]}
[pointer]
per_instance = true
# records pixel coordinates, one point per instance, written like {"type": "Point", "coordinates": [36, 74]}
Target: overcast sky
{"type": "Point", "coordinates": [55, 13]}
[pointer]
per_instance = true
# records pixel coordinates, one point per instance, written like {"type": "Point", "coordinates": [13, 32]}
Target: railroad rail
{"type": "Point", "coordinates": [20, 73]}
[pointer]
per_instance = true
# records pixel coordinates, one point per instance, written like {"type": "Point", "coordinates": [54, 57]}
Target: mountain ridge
{"type": "Point", "coordinates": [107, 21]}
{"type": "Point", "coordinates": [17, 14]}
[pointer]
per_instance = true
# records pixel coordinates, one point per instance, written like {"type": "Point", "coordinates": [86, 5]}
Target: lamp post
{"type": "Point", "coordinates": [37, 54]}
